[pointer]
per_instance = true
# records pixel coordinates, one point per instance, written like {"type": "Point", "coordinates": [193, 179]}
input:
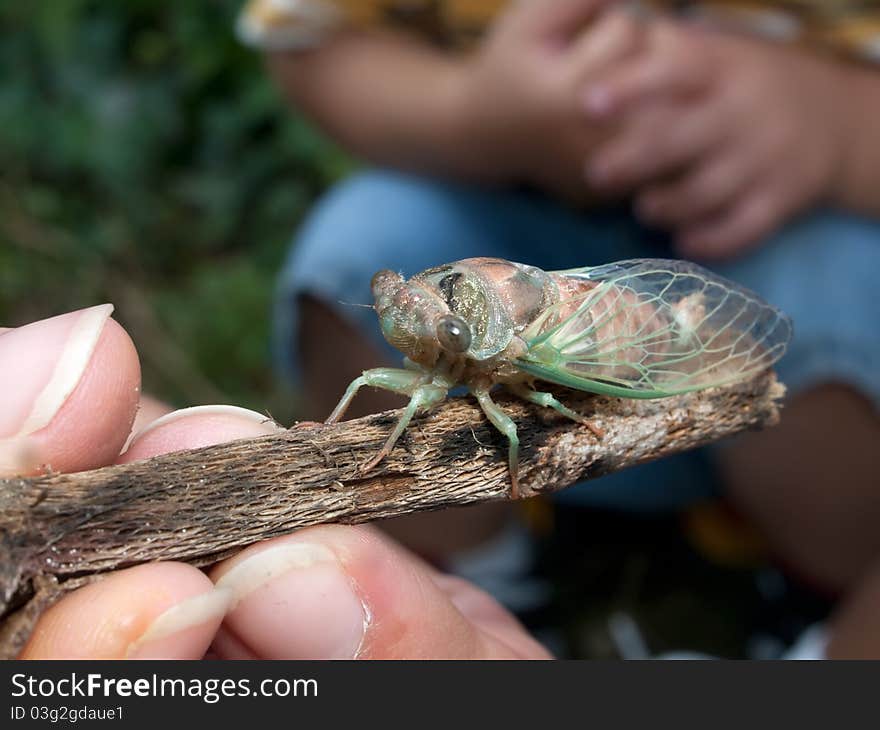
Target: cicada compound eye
{"type": "Point", "coordinates": [453, 334]}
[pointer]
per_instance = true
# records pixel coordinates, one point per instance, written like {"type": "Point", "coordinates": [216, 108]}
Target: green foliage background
{"type": "Point", "coordinates": [146, 159]}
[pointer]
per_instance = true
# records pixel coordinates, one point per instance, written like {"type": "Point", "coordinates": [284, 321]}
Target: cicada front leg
{"type": "Point", "coordinates": [423, 393]}
{"type": "Point", "coordinates": [548, 400]}
{"type": "Point", "coordinates": [505, 424]}
{"type": "Point", "coordinates": [394, 379]}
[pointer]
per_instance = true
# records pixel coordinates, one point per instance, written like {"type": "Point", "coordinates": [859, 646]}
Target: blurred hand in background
{"type": "Point", "coordinates": [721, 139]}
{"type": "Point", "coordinates": [506, 113]}
{"type": "Point", "coordinates": [520, 103]}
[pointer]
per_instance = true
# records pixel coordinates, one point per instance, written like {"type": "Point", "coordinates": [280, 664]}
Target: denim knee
{"type": "Point", "coordinates": [823, 270]}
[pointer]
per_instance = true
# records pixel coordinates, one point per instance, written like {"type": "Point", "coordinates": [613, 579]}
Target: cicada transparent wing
{"type": "Point", "coordinates": [650, 328]}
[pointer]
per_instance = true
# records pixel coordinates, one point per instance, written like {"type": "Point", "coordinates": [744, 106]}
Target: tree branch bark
{"type": "Point", "coordinates": [62, 530]}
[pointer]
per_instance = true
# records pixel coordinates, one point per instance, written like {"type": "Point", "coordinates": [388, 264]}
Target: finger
{"type": "Point", "coordinates": [855, 626]}
{"type": "Point", "coordinates": [345, 592]}
{"type": "Point", "coordinates": [227, 646]}
{"type": "Point", "coordinates": [656, 143]}
{"type": "Point", "coordinates": [676, 64]}
{"type": "Point", "coordinates": [70, 392]}
{"type": "Point", "coordinates": [738, 228]}
{"type": "Point", "coordinates": [614, 36]}
{"type": "Point", "coordinates": [698, 193]}
{"type": "Point", "coordinates": [192, 428]}
{"type": "Point", "coordinates": [149, 410]}
{"type": "Point", "coordinates": [556, 21]}
{"type": "Point", "coordinates": [156, 611]}
{"type": "Point", "coordinates": [163, 610]}
{"type": "Point", "coordinates": [488, 615]}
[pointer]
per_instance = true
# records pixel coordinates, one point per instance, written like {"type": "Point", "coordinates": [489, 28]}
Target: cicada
{"type": "Point", "coordinates": [643, 328]}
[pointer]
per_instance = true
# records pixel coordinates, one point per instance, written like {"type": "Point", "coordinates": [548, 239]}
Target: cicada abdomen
{"type": "Point", "coordinates": [646, 328]}
{"type": "Point", "coordinates": [651, 328]}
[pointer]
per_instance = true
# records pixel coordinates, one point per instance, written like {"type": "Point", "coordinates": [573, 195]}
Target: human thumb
{"type": "Point", "coordinates": [338, 592]}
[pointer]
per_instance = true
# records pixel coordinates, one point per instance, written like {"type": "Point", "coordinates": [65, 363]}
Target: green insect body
{"type": "Point", "coordinates": [644, 328]}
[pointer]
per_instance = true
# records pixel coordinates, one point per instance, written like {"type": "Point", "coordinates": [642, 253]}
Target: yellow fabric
{"type": "Point", "coordinates": [848, 27]}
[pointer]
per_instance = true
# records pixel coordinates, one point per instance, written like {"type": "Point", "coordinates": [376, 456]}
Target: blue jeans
{"type": "Point", "coordinates": [823, 270]}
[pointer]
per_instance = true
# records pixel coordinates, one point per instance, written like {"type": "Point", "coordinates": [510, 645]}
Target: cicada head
{"type": "Point", "coordinates": [409, 315]}
{"type": "Point", "coordinates": [468, 309]}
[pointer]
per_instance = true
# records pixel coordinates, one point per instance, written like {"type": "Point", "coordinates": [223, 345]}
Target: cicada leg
{"type": "Point", "coordinates": [505, 424]}
{"type": "Point", "coordinates": [423, 398]}
{"type": "Point", "coordinates": [394, 379]}
{"type": "Point", "coordinates": [416, 384]}
{"type": "Point", "coordinates": [548, 400]}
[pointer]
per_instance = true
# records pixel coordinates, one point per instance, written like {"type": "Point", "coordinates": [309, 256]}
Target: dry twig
{"type": "Point", "coordinates": [59, 531]}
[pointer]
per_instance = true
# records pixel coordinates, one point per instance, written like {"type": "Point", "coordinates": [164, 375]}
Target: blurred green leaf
{"type": "Point", "coordinates": [147, 159]}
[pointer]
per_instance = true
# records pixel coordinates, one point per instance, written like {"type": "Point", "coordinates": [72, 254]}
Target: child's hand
{"type": "Point", "coordinates": [722, 139]}
{"type": "Point", "coordinates": [519, 104]}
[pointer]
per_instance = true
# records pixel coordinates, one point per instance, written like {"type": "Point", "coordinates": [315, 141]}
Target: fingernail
{"type": "Point", "coordinates": [164, 636]}
{"type": "Point", "coordinates": [18, 456]}
{"type": "Point", "coordinates": [295, 601]}
{"type": "Point", "coordinates": [210, 425]}
{"type": "Point", "coordinates": [219, 412]}
{"type": "Point", "coordinates": [42, 363]}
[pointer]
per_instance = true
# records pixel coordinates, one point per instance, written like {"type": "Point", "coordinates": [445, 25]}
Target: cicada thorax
{"type": "Point", "coordinates": [497, 299]}
{"type": "Point", "coordinates": [492, 298]}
